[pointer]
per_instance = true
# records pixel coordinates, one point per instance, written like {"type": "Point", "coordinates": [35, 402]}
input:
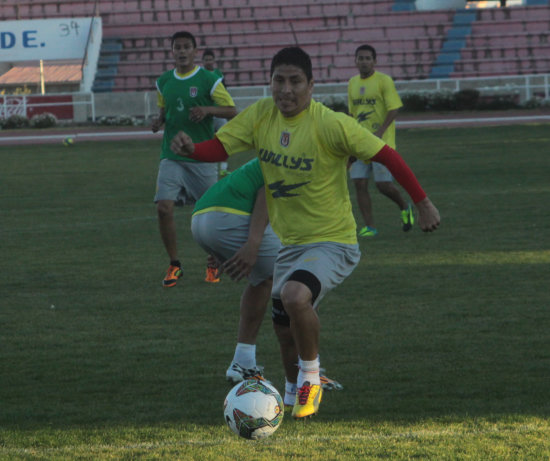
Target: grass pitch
{"type": "Point", "coordinates": [442, 341]}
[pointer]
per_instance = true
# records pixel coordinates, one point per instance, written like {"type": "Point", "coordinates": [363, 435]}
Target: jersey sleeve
{"type": "Point", "coordinates": [220, 95]}
{"type": "Point", "coordinates": [350, 99]}
{"type": "Point", "coordinates": [391, 97]}
{"type": "Point", "coordinates": [237, 134]}
{"type": "Point", "coordinates": [347, 138]}
{"type": "Point", "coordinates": [160, 100]}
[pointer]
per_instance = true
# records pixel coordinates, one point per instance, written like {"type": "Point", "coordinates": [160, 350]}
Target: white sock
{"type": "Point", "coordinates": [290, 393]}
{"type": "Point", "coordinates": [309, 371]}
{"type": "Point", "coordinates": [223, 165]}
{"type": "Point", "coordinates": [245, 355]}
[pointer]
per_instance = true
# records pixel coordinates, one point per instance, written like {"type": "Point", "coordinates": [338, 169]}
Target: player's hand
{"type": "Point", "coordinates": [428, 215]}
{"type": "Point", "coordinates": [241, 263]}
{"type": "Point", "coordinates": [156, 124]}
{"type": "Point", "coordinates": [198, 113]}
{"type": "Point", "coordinates": [182, 144]}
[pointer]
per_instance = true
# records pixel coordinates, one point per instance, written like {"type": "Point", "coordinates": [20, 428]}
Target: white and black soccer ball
{"type": "Point", "coordinates": [253, 409]}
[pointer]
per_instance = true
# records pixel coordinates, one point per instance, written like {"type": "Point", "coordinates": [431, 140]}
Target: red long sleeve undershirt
{"type": "Point", "coordinates": [213, 151]}
{"type": "Point", "coordinates": [401, 172]}
{"type": "Point", "coordinates": [210, 151]}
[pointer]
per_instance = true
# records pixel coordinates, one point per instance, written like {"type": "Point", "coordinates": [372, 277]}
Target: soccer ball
{"type": "Point", "coordinates": [253, 409]}
{"type": "Point", "coordinates": [68, 141]}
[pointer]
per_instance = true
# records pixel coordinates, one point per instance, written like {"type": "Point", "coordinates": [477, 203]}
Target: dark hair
{"type": "Point", "coordinates": [208, 52]}
{"type": "Point", "coordinates": [366, 48]}
{"type": "Point", "coordinates": [183, 34]}
{"type": "Point", "coordinates": [294, 56]}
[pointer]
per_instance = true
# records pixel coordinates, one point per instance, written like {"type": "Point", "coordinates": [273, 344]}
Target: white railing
{"type": "Point", "coordinates": [84, 104]}
{"type": "Point", "coordinates": [22, 104]}
{"type": "Point", "coordinates": [526, 86]}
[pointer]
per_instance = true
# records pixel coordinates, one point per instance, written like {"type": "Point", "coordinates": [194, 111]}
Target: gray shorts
{"type": "Point", "coordinates": [184, 182]}
{"type": "Point", "coordinates": [360, 170]}
{"type": "Point", "coordinates": [330, 262]}
{"type": "Point", "coordinates": [218, 123]}
{"type": "Point", "coordinates": [221, 234]}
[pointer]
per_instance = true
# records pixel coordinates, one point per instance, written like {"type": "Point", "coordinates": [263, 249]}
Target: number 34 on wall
{"type": "Point", "coordinates": [68, 28]}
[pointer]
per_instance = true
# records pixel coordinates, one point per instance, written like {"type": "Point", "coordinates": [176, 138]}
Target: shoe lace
{"type": "Point", "coordinates": [303, 394]}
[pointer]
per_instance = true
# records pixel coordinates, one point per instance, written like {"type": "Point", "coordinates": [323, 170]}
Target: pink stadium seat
{"type": "Point", "coordinates": [245, 35]}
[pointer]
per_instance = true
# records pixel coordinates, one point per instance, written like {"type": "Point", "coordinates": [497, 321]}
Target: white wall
{"type": "Point", "coordinates": [89, 68]}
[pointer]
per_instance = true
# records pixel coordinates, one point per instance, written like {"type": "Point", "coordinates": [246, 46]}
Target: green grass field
{"type": "Point", "coordinates": [442, 340]}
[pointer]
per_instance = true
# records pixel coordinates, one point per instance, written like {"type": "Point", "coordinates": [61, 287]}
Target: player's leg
{"type": "Point", "coordinates": [169, 184]}
{"type": "Point", "coordinates": [167, 227]}
{"type": "Point", "coordinates": [303, 275]}
{"type": "Point", "coordinates": [289, 354]}
{"type": "Point", "coordinates": [359, 173]}
{"type": "Point", "coordinates": [199, 177]}
{"type": "Point", "coordinates": [384, 183]}
{"type": "Point", "coordinates": [254, 301]}
{"type": "Point", "coordinates": [222, 234]}
{"type": "Point", "coordinates": [256, 297]}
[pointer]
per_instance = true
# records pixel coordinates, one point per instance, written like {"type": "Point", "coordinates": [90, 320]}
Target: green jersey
{"type": "Point", "coordinates": [179, 95]}
{"type": "Point", "coordinates": [235, 193]}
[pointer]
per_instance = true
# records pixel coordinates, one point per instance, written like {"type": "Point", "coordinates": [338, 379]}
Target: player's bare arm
{"type": "Point", "coordinates": [198, 113]}
{"type": "Point", "coordinates": [390, 117]}
{"type": "Point", "coordinates": [157, 122]}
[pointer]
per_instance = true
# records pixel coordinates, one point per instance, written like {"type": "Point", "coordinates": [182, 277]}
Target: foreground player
{"type": "Point", "coordinates": [303, 147]}
{"type": "Point", "coordinates": [230, 222]}
{"type": "Point", "coordinates": [188, 97]}
{"type": "Point", "coordinates": [373, 101]}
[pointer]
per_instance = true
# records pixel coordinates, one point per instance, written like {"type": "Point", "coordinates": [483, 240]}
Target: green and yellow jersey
{"type": "Point", "coordinates": [178, 94]}
{"type": "Point", "coordinates": [235, 193]}
{"type": "Point", "coordinates": [303, 161]}
{"type": "Point", "coordinates": [369, 101]}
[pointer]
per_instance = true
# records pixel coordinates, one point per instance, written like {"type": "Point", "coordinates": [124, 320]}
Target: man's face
{"type": "Point", "coordinates": [184, 54]}
{"type": "Point", "coordinates": [365, 63]}
{"type": "Point", "coordinates": [208, 62]}
{"type": "Point", "coordinates": [290, 89]}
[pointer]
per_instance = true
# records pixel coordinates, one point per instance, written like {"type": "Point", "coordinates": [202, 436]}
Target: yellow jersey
{"type": "Point", "coordinates": [369, 101]}
{"type": "Point", "coordinates": [303, 160]}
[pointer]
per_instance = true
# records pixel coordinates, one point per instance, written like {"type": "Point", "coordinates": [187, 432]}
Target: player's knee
{"type": "Point", "coordinates": [165, 208]}
{"type": "Point", "coordinates": [301, 290]}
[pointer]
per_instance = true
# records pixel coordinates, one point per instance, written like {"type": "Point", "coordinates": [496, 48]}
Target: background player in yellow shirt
{"type": "Point", "coordinates": [303, 148]}
{"type": "Point", "coordinates": [373, 101]}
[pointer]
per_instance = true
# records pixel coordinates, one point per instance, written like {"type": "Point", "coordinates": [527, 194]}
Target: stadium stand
{"type": "Point", "coordinates": [245, 34]}
{"type": "Point", "coordinates": [506, 41]}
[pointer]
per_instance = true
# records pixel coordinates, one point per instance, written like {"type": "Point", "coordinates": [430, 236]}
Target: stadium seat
{"type": "Point", "coordinates": [245, 35]}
